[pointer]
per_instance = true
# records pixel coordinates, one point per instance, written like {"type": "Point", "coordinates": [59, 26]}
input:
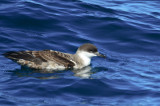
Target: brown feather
{"type": "Point", "coordinates": [34, 59]}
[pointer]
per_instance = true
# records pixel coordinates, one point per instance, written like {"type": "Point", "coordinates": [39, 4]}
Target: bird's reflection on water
{"type": "Point", "coordinates": [85, 72]}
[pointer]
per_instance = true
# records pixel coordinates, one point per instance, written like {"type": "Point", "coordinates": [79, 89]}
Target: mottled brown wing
{"type": "Point", "coordinates": [26, 56]}
{"type": "Point", "coordinates": [58, 57]}
{"type": "Point", "coordinates": [38, 57]}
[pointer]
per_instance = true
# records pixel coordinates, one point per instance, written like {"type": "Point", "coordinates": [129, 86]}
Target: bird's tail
{"type": "Point", "coordinates": [17, 55]}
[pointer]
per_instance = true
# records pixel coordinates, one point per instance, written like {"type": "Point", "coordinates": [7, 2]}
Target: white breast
{"type": "Point", "coordinates": [85, 57]}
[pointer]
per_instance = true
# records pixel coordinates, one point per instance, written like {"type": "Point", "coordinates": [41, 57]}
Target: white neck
{"type": "Point", "coordinates": [86, 60]}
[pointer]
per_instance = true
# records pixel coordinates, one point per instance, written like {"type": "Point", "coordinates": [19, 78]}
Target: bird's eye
{"type": "Point", "coordinates": [92, 51]}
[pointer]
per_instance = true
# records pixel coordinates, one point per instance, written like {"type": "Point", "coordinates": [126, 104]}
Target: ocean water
{"type": "Point", "coordinates": [127, 31]}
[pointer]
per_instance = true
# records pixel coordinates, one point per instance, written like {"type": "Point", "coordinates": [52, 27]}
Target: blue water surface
{"type": "Point", "coordinates": [127, 31]}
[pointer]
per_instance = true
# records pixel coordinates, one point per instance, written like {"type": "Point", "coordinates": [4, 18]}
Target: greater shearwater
{"type": "Point", "coordinates": [55, 60]}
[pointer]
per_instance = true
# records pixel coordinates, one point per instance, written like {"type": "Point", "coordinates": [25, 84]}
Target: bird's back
{"type": "Point", "coordinates": [45, 59]}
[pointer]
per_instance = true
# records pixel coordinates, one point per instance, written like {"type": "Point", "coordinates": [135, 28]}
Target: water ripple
{"type": "Point", "coordinates": [128, 32]}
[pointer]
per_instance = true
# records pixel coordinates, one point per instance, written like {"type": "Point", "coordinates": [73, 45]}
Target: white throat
{"type": "Point", "coordinates": [85, 57]}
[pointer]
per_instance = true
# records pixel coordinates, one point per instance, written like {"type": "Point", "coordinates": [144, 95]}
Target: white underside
{"type": "Point", "coordinates": [55, 67]}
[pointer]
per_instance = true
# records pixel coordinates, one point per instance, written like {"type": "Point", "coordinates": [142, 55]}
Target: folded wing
{"type": "Point", "coordinates": [40, 59]}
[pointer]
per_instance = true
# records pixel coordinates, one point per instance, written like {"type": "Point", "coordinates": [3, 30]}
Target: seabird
{"type": "Point", "coordinates": [55, 60]}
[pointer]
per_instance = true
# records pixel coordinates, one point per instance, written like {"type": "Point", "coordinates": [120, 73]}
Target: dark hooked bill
{"type": "Point", "coordinates": [100, 55]}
